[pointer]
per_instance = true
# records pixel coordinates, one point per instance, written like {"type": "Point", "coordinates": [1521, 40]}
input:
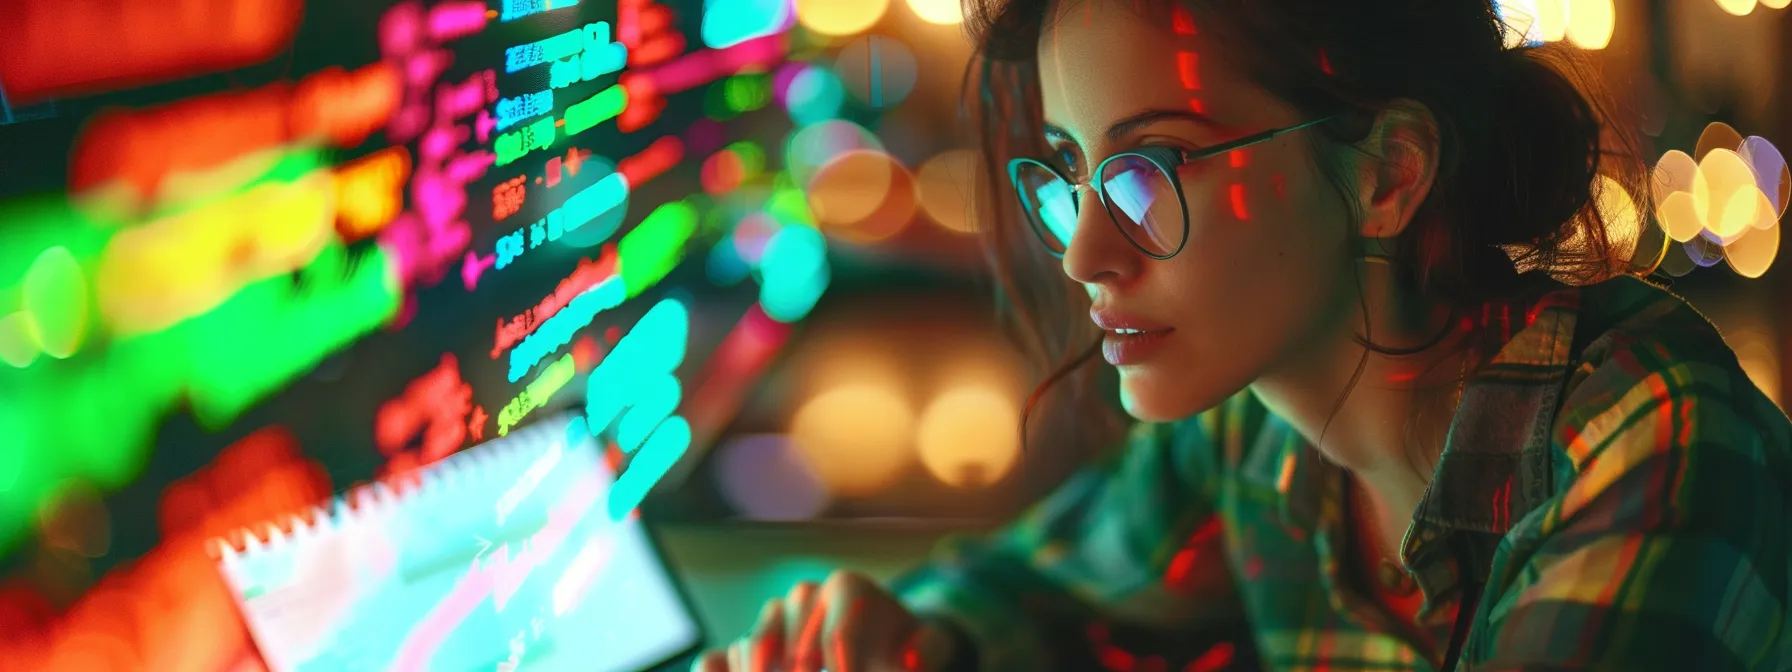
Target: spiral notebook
{"type": "Point", "coordinates": [501, 557]}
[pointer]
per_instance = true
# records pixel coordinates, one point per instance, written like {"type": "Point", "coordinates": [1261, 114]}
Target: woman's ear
{"type": "Point", "coordinates": [1400, 165]}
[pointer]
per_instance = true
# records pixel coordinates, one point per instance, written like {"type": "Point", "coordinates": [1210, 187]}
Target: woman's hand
{"type": "Point", "coordinates": [848, 623]}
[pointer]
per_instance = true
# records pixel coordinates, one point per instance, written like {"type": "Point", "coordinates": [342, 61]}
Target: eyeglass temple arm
{"type": "Point", "coordinates": [1254, 138]}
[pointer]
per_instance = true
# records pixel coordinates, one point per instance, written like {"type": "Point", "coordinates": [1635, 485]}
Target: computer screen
{"type": "Point", "coordinates": [257, 254]}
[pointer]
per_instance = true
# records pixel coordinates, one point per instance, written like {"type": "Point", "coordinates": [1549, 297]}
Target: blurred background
{"type": "Point", "coordinates": [254, 253]}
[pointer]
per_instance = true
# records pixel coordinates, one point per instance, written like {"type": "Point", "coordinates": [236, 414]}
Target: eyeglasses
{"type": "Point", "coordinates": [1138, 188]}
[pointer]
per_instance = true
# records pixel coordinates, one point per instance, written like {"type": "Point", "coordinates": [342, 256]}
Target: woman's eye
{"type": "Point", "coordinates": [1066, 160]}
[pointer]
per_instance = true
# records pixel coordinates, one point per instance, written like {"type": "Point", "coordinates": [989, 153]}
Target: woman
{"type": "Point", "coordinates": [1367, 435]}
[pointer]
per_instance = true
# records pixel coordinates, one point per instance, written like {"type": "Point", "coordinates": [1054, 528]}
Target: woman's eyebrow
{"type": "Point", "coordinates": [1132, 123]}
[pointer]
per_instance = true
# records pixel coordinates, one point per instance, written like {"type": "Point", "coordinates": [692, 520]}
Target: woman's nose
{"type": "Point", "coordinates": [1098, 252]}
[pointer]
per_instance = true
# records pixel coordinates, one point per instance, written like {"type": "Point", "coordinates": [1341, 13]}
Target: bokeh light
{"type": "Point", "coordinates": [18, 340]}
{"type": "Point", "coordinates": [946, 186]}
{"type": "Point", "coordinates": [856, 437]}
{"type": "Point", "coordinates": [1722, 183]}
{"type": "Point", "coordinates": [1737, 7]}
{"type": "Point", "coordinates": [766, 478]}
{"type": "Point", "coordinates": [1704, 251]}
{"type": "Point", "coordinates": [970, 436]}
{"type": "Point", "coordinates": [813, 95]}
{"type": "Point", "coordinates": [877, 70]}
{"type": "Point", "coordinates": [722, 172]}
{"type": "Point", "coordinates": [1676, 263]}
{"type": "Point", "coordinates": [1754, 251]}
{"type": "Point", "coordinates": [1590, 23]}
{"type": "Point", "coordinates": [863, 196]}
{"type": "Point", "coordinates": [1680, 216]}
{"type": "Point", "coordinates": [793, 272]}
{"type": "Point", "coordinates": [1673, 172]}
{"type": "Point", "coordinates": [813, 146]}
{"type": "Point", "coordinates": [55, 296]}
{"type": "Point", "coordinates": [1723, 202]}
{"type": "Point", "coordinates": [840, 17]}
{"type": "Point", "coordinates": [1717, 135]}
{"type": "Point", "coordinates": [1771, 173]}
{"type": "Point", "coordinates": [943, 12]}
{"type": "Point", "coordinates": [730, 22]}
{"type": "Point", "coordinates": [752, 234]}
{"type": "Point", "coordinates": [1624, 223]}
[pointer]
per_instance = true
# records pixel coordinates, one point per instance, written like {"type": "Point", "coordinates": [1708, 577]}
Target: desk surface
{"type": "Point", "coordinates": [732, 569]}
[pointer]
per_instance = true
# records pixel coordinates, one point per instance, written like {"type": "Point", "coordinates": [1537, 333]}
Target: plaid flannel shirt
{"type": "Point", "coordinates": [1622, 499]}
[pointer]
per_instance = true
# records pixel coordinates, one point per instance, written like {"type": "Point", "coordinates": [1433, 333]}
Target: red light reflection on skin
{"type": "Point", "coordinates": [1239, 208]}
{"type": "Point", "coordinates": [90, 46]}
{"type": "Point", "coordinates": [144, 146]}
{"type": "Point", "coordinates": [1188, 66]}
{"type": "Point", "coordinates": [1182, 20]}
{"type": "Point", "coordinates": [434, 405]}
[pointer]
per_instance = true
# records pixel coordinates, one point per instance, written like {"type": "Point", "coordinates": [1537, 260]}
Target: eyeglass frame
{"type": "Point", "coordinates": [1166, 158]}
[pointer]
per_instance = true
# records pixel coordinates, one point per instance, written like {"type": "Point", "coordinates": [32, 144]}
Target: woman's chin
{"type": "Point", "coordinates": [1149, 396]}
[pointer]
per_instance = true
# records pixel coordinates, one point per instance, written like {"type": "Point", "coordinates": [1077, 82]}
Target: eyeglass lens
{"type": "Point", "coordinates": [1141, 199]}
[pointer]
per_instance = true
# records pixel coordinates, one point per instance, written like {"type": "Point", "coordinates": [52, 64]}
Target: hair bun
{"type": "Point", "coordinates": [1546, 138]}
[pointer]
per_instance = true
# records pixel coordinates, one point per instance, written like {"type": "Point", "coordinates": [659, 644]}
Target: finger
{"type": "Point", "coordinates": [842, 644]}
{"type": "Point", "coordinates": [767, 644]}
{"type": "Point", "coordinates": [799, 610]}
{"type": "Point", "coordinates": [737, 657]}
{"type": "Point", "coordinates": [808, 652]}
{"type": "Point", "coordinates": [712, 661]}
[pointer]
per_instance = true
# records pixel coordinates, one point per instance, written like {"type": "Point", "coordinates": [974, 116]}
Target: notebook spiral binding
{"type": "Point", "coordinates": [378, 499]}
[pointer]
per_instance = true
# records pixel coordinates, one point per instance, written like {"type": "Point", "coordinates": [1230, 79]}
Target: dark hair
{"type": "Point", "coordinates": [1523, 144]}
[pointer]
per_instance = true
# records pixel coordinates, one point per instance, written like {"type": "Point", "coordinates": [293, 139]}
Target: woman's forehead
{"type": "Point", "coordinates": [1102, 61]}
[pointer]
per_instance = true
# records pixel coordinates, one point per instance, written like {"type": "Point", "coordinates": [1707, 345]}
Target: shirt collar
{"type": "Point", "coordinates": [1495, 466]}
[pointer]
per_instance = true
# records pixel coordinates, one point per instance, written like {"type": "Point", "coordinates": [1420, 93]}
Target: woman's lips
{"type": "Point", "coordinates": [1130, 339]}
{"type": "Point", "coordinates": [1122, 349]}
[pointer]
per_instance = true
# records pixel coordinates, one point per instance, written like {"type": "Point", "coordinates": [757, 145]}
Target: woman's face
{"type": "Point", "coordinates": [1263, 275]}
